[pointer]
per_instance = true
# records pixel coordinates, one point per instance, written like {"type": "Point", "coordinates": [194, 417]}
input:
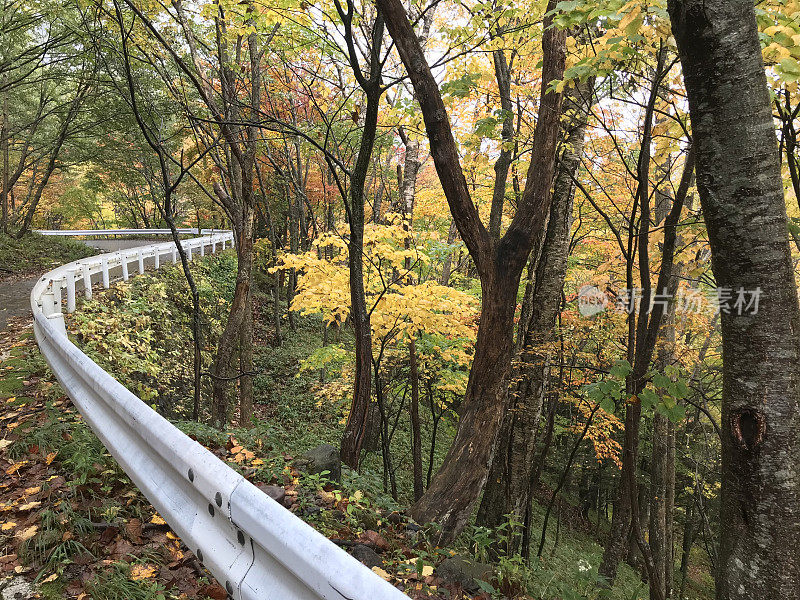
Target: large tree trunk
{"type": "Point", "coordinates": [508, 489]}
{"type": "Point", "coordinates": [740, 188]}
{"type": "Point", "coordinates": [456, 486]}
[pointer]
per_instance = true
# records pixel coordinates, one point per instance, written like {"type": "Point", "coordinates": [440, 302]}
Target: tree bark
{"type": "Point", "coordinates": [740, 188]}
{"type": "Point", "coordinates": [508, 489]}
{"type": "Point", "coordinates": [357, 421]}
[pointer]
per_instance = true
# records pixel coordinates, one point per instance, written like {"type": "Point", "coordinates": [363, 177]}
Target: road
{"type": "Point", "coordinates": [15, 292]}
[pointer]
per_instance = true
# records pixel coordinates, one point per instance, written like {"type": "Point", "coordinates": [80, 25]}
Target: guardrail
{"type": "Point", "coordinates": [107, 232]}
{"type": "Point", "coordinates": [253, 546]}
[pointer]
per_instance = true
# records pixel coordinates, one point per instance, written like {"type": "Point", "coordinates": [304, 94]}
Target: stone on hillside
{"type": "Point", "coordinates": [367, 556]}
{"type": "Point", "coordinates": [275, 492]}
{"type": "Point", "coordinates": [320, 459]}
{"type": "Point", "coordinates": [464, 572]}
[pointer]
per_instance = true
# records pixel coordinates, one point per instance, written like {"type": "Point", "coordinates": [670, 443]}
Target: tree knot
{"type": "Point", "coordinates": [748, 427]}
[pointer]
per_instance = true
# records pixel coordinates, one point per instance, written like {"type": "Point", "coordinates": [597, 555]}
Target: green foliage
{"type": "Point", "coordinates": [36, 253]}
{"type": "Point", "coordinates": [141, 330]}
{"type": "Point", "coordinates": [115, 584]}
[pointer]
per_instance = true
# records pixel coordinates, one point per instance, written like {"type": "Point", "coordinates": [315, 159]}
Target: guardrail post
{"type": "Point", "coordinates": [188, 248]}
{"type": "Point", "coordinates": [57, 294]}
{"type": "Point", "coordinates": [124, 262]}
{"type": "Point", "coordinates": [213, 246]}
{"type": "Point", "coordinates": [174, 254]}
{"type": "Point", "coordinates": [104, 266]}
{"type": "Point", "coordinates": [70, 281]}
{"type": "Point", "coordinates": [157, 257]}
{"type": "Point", "coordinates": [140, 256]}
{"type": "Point", "coordinates": [202, 247]}
{"type": "Point", "coordinates": [223, 243]}
{"type": "Point", "coordinates": [87, 281]}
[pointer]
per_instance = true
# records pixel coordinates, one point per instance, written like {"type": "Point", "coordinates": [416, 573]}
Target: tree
{"type": "Point", "coordinates": [510, 486]}
{"type": "Point", "coordinates": [498, 260]}
{"type": "Point", "coordinates": [740, 188]}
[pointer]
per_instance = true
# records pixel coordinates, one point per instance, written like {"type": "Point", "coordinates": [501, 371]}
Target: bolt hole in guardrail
{"type": "Point", "coordinates": [286, 558]}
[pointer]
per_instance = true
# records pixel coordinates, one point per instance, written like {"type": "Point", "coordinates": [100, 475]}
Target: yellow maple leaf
{"type": "Point", "coordinates": [382, 573]}
{"type": "Point", "coordinates": [8, 526]}
{"type": "Point", "coordinates": [50, 457]}
{"type": "Point", "coordinates": [157, 520]}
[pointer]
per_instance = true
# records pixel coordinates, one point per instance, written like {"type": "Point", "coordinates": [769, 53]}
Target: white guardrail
{"type": "Point", "coordinates": [254, 547]}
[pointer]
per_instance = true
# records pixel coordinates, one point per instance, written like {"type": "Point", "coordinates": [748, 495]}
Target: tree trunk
{"type": "Point", "coordinates": [658, 490]}
{"type": "Point", "coordinates": [356, 427]}
{"type": "Point", "coordinates": [452, 494]}
{"type": "Point", "coordinates": [416, 434]}
{"type": "Point", "coordinates": [508, 488]}
{"type": "Point", "coordinates": [4, 135]}
{"type": "Point", "coordinates": [240, 308]}
{"type": "Point", "coordinates": [246, 364]}
{"type": "Point", "coordinates": [741, 191]}
{"type": "Point", "coordinates": [456, 486]}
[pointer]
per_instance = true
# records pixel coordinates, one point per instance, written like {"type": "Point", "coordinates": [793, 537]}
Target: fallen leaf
{"type": "Point", "coordinates": [32, 490]}
{"type": "Point", "coordinates": [139, 572]}
{"type": "Point", "coordinates": [5, 444]}
{"type": "Point", "coordinates": [29, 506]}
{"type": "Point", "coordinates": [49, 458]}
{"type": "Point", "coordinates": [27, 533]}
{"type": "Point", "coordinates": [156, 520]}
{"type": "Point", "coordinates": [373, 538]}
{"type": "Point", "coordinates": [382, 573]}
{"type": "Point", "coordinates": [16, 467]}
{"type": "Point", "coordinates": [52, 577]}
{"type": "Point", "coordinates": [213, 590]}
{"type": "Point", "coordinates": [257, 462]}
{"type": "Point", "coordinates": [134, 529]}
{"type": "Point", "coordinates": [8, 526]}
{"type": "Point", "coordinates": [109, 533]}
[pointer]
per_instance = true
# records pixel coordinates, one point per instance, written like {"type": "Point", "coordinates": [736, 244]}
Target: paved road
{"type": "Point", "coordinates": [15, 293]}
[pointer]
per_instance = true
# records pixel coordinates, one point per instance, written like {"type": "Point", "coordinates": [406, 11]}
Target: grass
{"type": "Point", "coordinates": [36, 253]}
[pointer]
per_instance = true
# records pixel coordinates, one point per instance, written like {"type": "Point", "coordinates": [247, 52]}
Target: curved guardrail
{"type": "Point", "coordinates": [254, 547]}
{"type": "Point", "coordinates": [107, 232]}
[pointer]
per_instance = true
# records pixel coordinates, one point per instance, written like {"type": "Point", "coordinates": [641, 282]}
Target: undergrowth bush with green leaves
{"type": "Point", "coordinates": [36, 253]}
{"type": "Point", "coordinates": [140, 330]}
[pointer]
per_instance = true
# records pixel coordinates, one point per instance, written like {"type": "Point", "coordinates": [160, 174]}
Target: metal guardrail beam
{"type": "Point", "coordinates": [108, 232]}
{"type": "Point", "coordinates": [254, 547]}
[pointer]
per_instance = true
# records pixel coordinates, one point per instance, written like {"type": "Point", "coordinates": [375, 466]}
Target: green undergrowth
{"type": "Point", "coordinates": [140, 330]}
{"type": "Point", "coordinates": [36, 253]}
